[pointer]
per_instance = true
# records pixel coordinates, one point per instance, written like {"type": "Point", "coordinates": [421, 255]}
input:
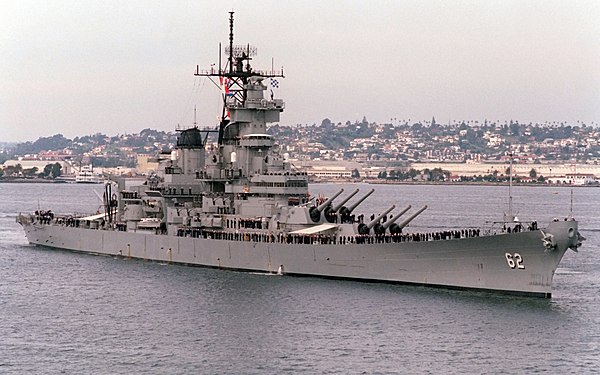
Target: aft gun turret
{"type": "Point", "coordinates": [397, 228]}
{"type": "Point", "coordinates": [331, 211]}
{"type": "Point", "coordinates": [346, 211]}
{"type": "Point", "coordinates": [365, 228]}
{"type": "Point", "coordinates": [315, 212]}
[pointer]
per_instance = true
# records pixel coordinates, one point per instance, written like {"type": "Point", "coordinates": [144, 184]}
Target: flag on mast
{"type": "Point", "coordinates": [225, 84]}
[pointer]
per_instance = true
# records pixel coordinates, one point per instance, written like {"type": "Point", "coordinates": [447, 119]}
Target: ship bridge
{"type": "Point", "coordinates": [256, 140]}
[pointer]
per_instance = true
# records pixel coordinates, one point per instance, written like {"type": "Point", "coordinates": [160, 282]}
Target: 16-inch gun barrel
{"type": "Point", "coordinates": [411, 217]}
{"type": "Point", "coordinates": [322, 206]}
{"type": "Point", "coordinates": [341, 204]}
{"type": "Point", "coordinates": [394, 218]}
{"type": "Point", "coordinates": [376, 220]}
{"type": "Point", "coordinates": [352, 207]}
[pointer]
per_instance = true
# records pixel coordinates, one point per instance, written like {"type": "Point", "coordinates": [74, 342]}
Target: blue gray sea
{"type": "Point", "coordinates": [63, 312]}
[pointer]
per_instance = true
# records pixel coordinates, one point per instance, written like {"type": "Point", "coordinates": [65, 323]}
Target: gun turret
{"type": "Point", "coordinates": [387, 224]}
{"type": "Point", "coordinates": [397, 228]}
{"type": "Point", "coordinates": [345, 212]}
{"type": "Point", "coordinates": [315, 212]}
{"type": "Point", "coordinates": [380, 228]}
{"type": "Point", "coordinates": [330, 211]}
{"type": "Point", "coordinates": [365, 228]}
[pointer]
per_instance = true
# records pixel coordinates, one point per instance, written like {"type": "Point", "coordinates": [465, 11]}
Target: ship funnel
{"type": "Point", "coordinates": [397, 228]}
{"type": "Point", "coordinates": [372, 223]}
{"type": "Point", "coordinates": [352, 207]}
{"type": "Point", "coordinates": [395, 217]}
{"type": "Point", "coordinates": [339, 205]}
{"type": "Point", "coordinates": [315, 212]}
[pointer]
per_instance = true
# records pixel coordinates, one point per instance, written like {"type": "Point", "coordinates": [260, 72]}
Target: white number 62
{"type": "Point", "coordinates": [514, 260]}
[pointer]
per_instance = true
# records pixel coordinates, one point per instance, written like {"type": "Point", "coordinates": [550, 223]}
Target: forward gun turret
{"type": "Point", "coordinates": [331, 211]}
{"type": "Point", "coordinates": [315, 212]}
{"type": "Point", "coordinates": [397, 228]}
{"type": "Point", "coordinates": [346, 211]}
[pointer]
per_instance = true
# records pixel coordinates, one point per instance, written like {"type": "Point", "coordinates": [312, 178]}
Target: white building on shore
{"type": "Point", "coordinates": [547, 170]}
{"type": "Point", "coordinates": [577, 179]}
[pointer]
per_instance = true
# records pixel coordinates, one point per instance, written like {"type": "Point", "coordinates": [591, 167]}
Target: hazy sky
{"type": "Point", "coordinates": [82, 67]}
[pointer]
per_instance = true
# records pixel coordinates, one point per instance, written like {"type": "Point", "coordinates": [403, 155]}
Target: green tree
{"type": "Point", "coordinates": [56, 170]}
{"type": "Point", "coordinates": [326, 123]}
{"type": "Point", "coordinates": [52, 170]}
{"type": "Point", "coordinates": [30, 172]}
{"type": "Point", "coordinates": [47, 170]}
{"type": "Point", "coordinates": [438, 174]}
{"type": "Point", "coordinates": [533, 173]}
{"type": "Point", "coordinates": [515, 128]}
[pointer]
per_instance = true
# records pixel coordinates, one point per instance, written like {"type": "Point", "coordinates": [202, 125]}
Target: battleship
{"type": "Point", "coordinates": [238, 203]}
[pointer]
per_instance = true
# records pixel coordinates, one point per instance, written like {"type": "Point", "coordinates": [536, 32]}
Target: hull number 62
{"type": "Point", "coordinates": [515, 261]}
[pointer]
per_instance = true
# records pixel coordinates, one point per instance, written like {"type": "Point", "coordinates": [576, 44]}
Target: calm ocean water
{"type": "Point", "coordinates": [63, 312]}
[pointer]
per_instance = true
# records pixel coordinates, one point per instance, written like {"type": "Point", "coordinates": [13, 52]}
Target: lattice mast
{"type": "Point", "coordinates": [234, 76]}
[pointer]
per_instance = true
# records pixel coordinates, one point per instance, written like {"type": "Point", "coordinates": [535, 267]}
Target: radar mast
{"type": "Point", "coordinates": [234, 78]}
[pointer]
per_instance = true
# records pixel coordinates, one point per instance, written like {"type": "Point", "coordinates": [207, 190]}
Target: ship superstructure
{"type": "Point", "coordinates": [242, 205]}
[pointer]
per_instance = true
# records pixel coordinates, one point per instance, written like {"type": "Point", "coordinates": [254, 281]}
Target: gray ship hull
{"type": "Point", "coordinates": [512, 262]}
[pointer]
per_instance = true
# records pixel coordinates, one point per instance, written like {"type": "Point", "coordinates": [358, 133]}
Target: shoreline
{"type": "Point", "coordinates": [31, 181]}
{"type": "Point", "coordinates": [371, 182]}
{"type": "Point", "coordinates": [465, 183]}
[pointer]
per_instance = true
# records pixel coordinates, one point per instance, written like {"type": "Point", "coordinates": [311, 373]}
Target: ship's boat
{"type": "Point", "coordinates": [243, 205]}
